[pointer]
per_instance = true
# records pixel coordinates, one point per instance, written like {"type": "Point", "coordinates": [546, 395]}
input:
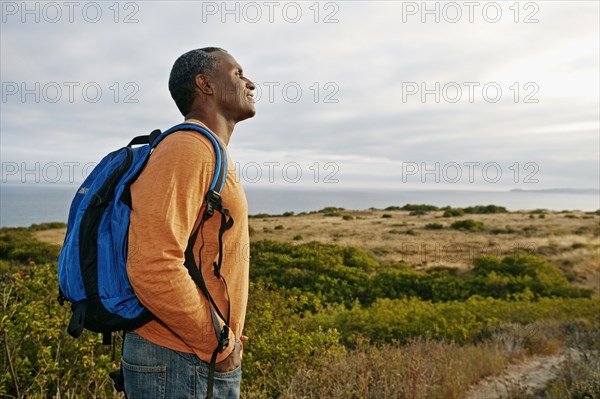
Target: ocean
{"type": "Point", "coordinates": [26, 204]}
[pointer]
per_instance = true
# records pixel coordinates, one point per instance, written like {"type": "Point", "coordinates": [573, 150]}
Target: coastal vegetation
{"type": "Point", "coordinates": [341, 307]}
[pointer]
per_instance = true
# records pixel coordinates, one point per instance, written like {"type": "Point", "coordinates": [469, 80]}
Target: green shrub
{"type": "Point", "coordinates": [481, 209]}
{"type": "Point", "coordinates": [592, 230]}
{"type": "Point", "coordinates": [18, 244]}
{"type": "Point", "coordinates": [47, 226]}
{"type": "Point", "coordinates": [386, 215]}
{"type": "Point", "coordinates": [467, 224]}
{"type": "Point", "coordinates": [260, 216]}
{"type": "Point", "coordinates": [417, 212]}
{"type": "Point", "coordinates": [279, 227]}
{"type": "Point", "coordinates": [337, 274]}
{"type": "Point", "coordinates": [503, 278]}
{"type": "Point", "coordinates": [419, 207]}
{"type": "Point", "coordinates": [452, 212]}
{"type": "Point", "coordinates": [330, 209]}
{"type": "Point", "coordinates": [400, 320]}
{"type": "Point", "coordinates": [297, 237]}
{"type": "Point", "coordinates": [538, 211]}
{"type": "Point", "coordinates": [507, 230]}
{"type": "Point", "coordinates": [348, 217]}
{"type": "Point", "coordinates": [278, 338]}
{"type": "Point", "coordinates": [42, 359]}
{"type": "Point", "coordinates": [434, 226]}
{"type": "Point", "coordinates": [529, 230]}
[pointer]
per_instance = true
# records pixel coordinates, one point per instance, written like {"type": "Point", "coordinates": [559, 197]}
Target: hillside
{"type": "Point", "coordinates": [568, 239]}
{"type": "Point", "coordinates": [413, 303]}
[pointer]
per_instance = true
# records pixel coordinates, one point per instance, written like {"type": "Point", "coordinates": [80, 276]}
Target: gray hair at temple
{"type": "Point", "coordinates": [182, 80]}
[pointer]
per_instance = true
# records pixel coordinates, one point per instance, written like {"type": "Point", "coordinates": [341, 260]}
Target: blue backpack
{"type": "Point", "coordinates": [92, 272]}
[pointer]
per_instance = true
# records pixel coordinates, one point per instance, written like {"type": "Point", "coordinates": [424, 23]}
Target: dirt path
{"type": "Point", "coordinates": [520, 379]}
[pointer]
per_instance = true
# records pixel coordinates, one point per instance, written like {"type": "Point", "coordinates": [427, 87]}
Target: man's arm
{"type": "Point", "coordinates": [167, 199]}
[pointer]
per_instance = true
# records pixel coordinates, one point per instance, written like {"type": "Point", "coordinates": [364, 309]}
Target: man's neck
{"type": "Point", "coordinates": [217, 124]}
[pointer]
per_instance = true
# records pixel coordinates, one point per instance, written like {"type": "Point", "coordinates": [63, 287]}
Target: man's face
{"type": "Point", "coordinates": [233, 89]}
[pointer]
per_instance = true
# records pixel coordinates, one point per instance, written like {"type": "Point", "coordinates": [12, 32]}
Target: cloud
{"type": "Point", "coordinates": [340, 92]}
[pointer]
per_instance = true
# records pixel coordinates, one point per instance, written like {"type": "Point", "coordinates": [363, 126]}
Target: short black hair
{"type": "Point", "coordinates": [182, 80]}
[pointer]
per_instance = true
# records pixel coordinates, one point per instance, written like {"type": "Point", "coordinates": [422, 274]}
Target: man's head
{"type": "Point", "coordinates": [211, 77]}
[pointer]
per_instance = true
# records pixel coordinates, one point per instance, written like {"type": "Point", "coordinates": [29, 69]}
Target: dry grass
{"type": "Point", "coordinates": [421, 369]}
{"type": "Point", "coordinates": [518, 361]}
{"type": "Point", "coordinates": [572, 243]}
{"type": "Point", "coordinates": [52, 236]}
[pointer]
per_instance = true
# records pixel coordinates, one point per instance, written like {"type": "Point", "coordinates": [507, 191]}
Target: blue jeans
{"type": "Point", "coordinates": [152, 371]}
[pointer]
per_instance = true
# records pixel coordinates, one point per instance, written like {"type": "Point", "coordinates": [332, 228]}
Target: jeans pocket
{"type": "Point", "coordinates": [235, 374]}
{"type": "Point", "coordinates": [144, 382]}
{"type": "Point", "coordinates": [226, 385]}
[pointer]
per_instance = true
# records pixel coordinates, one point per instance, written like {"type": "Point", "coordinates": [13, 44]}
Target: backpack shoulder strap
{"type": "Point", "coordinates": [220, 173]}
{"type": "Point", "coordinates": [146, 139]}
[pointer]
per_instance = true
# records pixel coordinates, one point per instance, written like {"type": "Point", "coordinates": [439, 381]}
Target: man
{"type": "Point", "coordinates": [168, 357]}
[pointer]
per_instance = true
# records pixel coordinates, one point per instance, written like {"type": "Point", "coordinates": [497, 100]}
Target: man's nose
{"type": "Point", "coordinates": [249, 84]}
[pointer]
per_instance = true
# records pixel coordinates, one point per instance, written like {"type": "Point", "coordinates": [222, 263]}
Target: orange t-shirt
{"type": "Point", "coordinates": [167, 204]}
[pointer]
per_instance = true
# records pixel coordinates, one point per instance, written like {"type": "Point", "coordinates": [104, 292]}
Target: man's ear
{"type": "Point", "coordinates": [204, 84]}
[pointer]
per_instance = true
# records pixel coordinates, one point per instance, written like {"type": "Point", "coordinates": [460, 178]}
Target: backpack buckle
{"type": "Point", "coordinates": [213, 201]}
{"type": "Point", "coordinates": [224, 338]}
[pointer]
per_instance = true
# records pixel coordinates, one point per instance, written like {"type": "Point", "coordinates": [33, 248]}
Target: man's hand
{"type": "Point", "coordinates": [234, 360]}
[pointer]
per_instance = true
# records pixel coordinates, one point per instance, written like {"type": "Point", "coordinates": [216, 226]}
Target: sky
{"type": "Point", "coordinates": [473, 95]}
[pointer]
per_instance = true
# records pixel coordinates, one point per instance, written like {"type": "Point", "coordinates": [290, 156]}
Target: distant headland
{"type": "Point", "coordinates": [589, 191]}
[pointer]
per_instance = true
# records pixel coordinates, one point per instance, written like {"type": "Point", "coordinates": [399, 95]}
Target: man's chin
{"type": "Point", "coordinates": [249, 114]}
